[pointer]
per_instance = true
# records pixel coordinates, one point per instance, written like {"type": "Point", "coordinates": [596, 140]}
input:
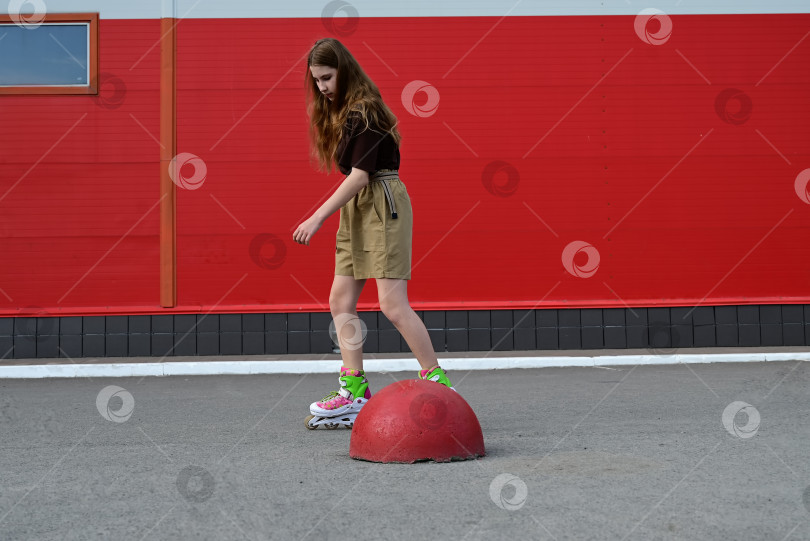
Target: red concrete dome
{"type": "Point", "coordinates": [414, 420]}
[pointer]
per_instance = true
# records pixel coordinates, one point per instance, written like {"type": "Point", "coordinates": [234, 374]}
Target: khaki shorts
{"type": "Point", "coordinates": [370, 243]}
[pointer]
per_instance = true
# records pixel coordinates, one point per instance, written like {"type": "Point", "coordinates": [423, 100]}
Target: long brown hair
{"type": "Point", "coordinates": [355, 92]}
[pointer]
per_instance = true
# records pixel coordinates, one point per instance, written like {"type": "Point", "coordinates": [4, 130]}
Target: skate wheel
{"type": "Point", "coordinates": [307, 420]}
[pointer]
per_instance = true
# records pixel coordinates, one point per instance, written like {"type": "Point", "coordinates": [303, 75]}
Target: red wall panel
{"type": "Point", "coordinates": [613, 141]}
{"type": "Point", "coordinates": [523, 83]}
{"type": "Point", "coordinates": [78, 187]}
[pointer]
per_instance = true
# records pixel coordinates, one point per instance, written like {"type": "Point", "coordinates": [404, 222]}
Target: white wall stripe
{"type": "Point", "coordinates": [195, 9]}
{"type": "Point", "coordinates": [372, 365]}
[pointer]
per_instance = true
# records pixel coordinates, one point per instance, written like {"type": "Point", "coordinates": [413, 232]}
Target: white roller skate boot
{"type": "Point", "coordinates": [340, 408]}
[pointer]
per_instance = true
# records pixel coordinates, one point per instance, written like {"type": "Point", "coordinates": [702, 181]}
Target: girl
{"type": "Point", "coordinates": [351, 128]}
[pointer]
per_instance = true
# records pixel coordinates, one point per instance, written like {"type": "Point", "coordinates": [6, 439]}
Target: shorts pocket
{"type": "Point", "coordinates": [371, 224]}
{"type": "Point", "coordinates": [343, 235]}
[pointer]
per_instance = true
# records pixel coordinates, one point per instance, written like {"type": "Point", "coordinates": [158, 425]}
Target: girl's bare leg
{"type": "Point", "coordinates": [343, 305]}
{"type": "Point", "coordinates": [393, 295]}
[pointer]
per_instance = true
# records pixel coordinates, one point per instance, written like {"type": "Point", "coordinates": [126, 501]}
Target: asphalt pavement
{"type": "Point", "coordinates": [708, 451]}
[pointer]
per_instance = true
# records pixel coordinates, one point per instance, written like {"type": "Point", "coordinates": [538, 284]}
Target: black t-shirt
{"type": "Point", "coordinates": [368, 149]}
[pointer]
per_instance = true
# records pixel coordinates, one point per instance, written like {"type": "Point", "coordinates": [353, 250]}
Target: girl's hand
{"type": "Point", "coordinates": [306, 230]}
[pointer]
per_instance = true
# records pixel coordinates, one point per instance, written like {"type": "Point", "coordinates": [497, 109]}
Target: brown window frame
{"type": "Point", "coordinates": [92, 87]}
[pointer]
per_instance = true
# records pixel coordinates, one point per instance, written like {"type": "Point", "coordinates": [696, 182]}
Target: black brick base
{"type": "Point", "coordinates": [658, 329]}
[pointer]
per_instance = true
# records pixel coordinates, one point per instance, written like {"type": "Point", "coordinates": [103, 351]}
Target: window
{"type": "Point", "coordinates": [56, 55]}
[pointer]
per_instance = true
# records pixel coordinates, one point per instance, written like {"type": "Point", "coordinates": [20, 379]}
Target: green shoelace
{"type": "Point", "coordinates": [331, 395]}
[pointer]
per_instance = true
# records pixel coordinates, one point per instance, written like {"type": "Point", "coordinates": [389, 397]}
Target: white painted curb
{"type": "Point", "coordinates": [372, 365]}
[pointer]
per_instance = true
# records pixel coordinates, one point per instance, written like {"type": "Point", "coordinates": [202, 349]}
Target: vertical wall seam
{"type": "Point", "coordinates": [168, 140]}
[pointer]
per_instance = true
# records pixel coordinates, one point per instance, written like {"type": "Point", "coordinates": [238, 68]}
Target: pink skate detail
{"type": "Point", "coordinates": [334, 403]}
{"type": "Point", "coordinates": [368, 393]}
{"type": "Point", "coordinates": [423, 373]}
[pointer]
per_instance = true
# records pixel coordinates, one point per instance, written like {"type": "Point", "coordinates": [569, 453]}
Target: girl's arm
{"type": "Point", "coordinates": [356, 181]}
